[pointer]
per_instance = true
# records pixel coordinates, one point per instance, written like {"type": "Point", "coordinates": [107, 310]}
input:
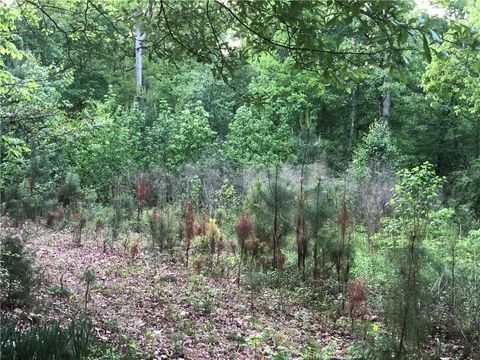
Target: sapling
{"type": "Point", "coordinates": [271, 204]}
{"type": "Point", "coordinates": [189, 228]}
{"type": "Point", "coordinates": [408, 313]}
{"type": "Point", "coordinates": [81, 221]}
{"type": "Point", "coordinates": [61, 277]}
{"type": "Point", "coordinates": [142, 190]}
{"type": "Point", "coordinates": [342, 252]}
{"type": "Point", "coordinates": [307, 137]}
{"type": "Point", "coordinates": [244, 229]}
{"type": "Point", "coordinates": [356, 297]}
{"type": "Point", "coordinates": [212, 232]}
{"type": "Point", "coordinates": [88, 277]}
{"type": "Point", "coordinates": [317, 212]}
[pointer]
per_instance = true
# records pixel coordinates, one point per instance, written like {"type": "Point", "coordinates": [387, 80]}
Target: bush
{"type": "Point", "coordinates": [69, 191]}
{"type": "Point", "coordinates": [17, 276]}
{"type": "Point", "coordinates": [48, 341]}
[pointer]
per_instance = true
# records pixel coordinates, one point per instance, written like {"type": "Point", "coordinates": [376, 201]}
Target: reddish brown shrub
{"type": "Point", "coordinates": [356, 296]}
{"type": "Point", "coordinates": [134, 250]}
{"type": "Point", "coordinates": [200, 229]}
{"type": "Point", "coordinates": [189, 227]}
{"type": "Point", "coordinates": [244, 228]}
{"type": "Point", "coordinates": [141, 189]}
{"type": "Point", "coordinates": [6, 221]}
{"type": "Point", "coordinates": [53, 217]}
{"type": "Point", "coordinates": [252, 244]}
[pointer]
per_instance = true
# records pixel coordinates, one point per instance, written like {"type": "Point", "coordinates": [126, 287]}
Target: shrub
{"type": "Point", "coordinates": [69, 191]}
{"type": "Point", "coordinates": [244, 229]}
{"type": "Point", "coordinates": [15, 206]}
{"type": "Point", "coordinates": [188, 228]}
{"type": "Point", "coordinates": [161, 228]}
{"type": "Point", "coordinates": [17, 276]}
{"type": "Point", "coordinates": [46, 342]}
{"type": "Point", "coordinates": [80, 220]}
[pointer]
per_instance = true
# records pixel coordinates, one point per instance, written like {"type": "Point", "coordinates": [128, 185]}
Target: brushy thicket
{"type": "Point", "coordinates": [364, 244]}
{"type": "Point", "coordinates": [423, 286]}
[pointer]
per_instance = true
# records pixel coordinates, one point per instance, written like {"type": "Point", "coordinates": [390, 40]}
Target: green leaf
{"type": "Point", "coordinates": [435, 36]}
{"type": "Point", "coordinates": [426, 49]}
{"type": "Point", "coordinates": [476, 66]}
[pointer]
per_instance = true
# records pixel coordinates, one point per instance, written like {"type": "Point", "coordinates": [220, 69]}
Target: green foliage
{"type": "Point", "coordinates": [48, 341]}
{"type": "Point", "coordinates": [270, 203]}
{"type": "Point", "coordinates": [17, 276]}
{"type": "Point", "coordinates": [192, 137]}
{"type": "Point", "coordinates": [107, 143]}
{"type": "Point", "coordinates": [244, 87]}
{"type": "Point", "coordinates": [161, 225]}
{"type": "Point", "coordinates": [33, 197]}
{"type": "Point", "coordinates": [60, 291]}
{"type": "Point", "coordinates": [416, 194]}
{"type": "Point", "coordinates": [88, 276]}
{"type": "Point", "coordinates": [376, 151]}
{"type": "Point", "coordinates": [253, 139]}
{"type": "Point", "coordinates": [465, 188]}
{"type": "Point", "coordinates": [15, 203]}
{"type": "Point", "coordinates": [408, 305]}
{"type": "Point", "coordinates": [70, 189]}
{"type": "Point", "coordinates": [14, 152]}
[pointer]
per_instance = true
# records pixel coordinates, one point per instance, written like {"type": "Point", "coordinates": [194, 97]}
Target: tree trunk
{"type": "Point", "coordinates": [353, 116]}
{"type": "Point", "coordinates": [275, 223]}
{"type": "Point", "coordinates": [386, 103]}
{"type": "Point", "coordinates": [138, 56]}
{"type": "Point", "coordinates": [300, 221]}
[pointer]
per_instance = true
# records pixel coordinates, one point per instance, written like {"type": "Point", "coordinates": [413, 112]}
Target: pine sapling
{"type": "Point", "coordinates": [356, 297]}
{"type": "Point", "coordinates": [212, 233]}
{"type": "Point", "coordinates": [88, 278]}
{"type": "Point", "coordinates": [189, 228]}
{"type": "Point", "coordinates": [142, 190]}
{"type": "Point", "coordinates": [244, 229]}
{"type": "Point", "coordinates": [134, 251]}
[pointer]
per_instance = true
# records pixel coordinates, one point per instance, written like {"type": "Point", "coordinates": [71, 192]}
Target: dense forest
{"type": "Point", "coordinates": [220, 179]}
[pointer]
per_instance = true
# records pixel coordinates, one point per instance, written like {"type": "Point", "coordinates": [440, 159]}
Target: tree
{"type": "Point", "coordinates": [415, 198]}
{"type": "Point", "coordinates": [381, 28]}
{"type": "Point", "coordinates": [253, 139]}
{"type": "Point", "coordinates": [377, 150]}
{"type": "Point", "coordinates": [317, 213]}
{"type": "Point", "coordinates": [193, 138]}
{"type": "Point", "coordinates": [270, 203]}
{"type": "Point", "coordinates": [88, 38]}
{"type": "Point", "coordinates": [227, 34]}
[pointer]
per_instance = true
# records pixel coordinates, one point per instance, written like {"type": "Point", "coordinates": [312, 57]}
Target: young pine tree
{"type": "Point", "coordinates": [408, 310]}
{"type": "Point", "coordinates": [244, 229]}
{"type": "Point", "coordinates": [317, 213]}
{"type": "Point", "coordinates": [271, 204]}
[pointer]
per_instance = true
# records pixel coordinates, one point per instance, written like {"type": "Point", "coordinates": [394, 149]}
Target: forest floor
{"type": "Point", "coordinates": [151, 307]}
